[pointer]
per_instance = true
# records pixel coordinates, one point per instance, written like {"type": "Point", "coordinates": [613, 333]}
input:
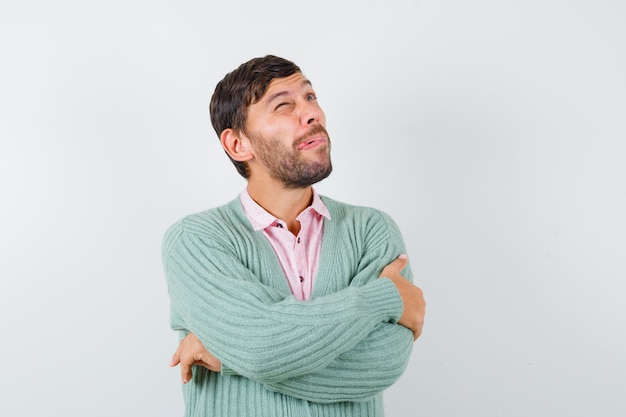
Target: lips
{"type": "Point", "coordinates": [311, 143]}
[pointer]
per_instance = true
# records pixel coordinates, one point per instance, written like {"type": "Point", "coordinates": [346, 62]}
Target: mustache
{"type": "Point", "coordinates": [315, 130]}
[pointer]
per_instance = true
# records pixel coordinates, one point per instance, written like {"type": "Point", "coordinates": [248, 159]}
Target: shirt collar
{"type": "Point", "coordinates": [260, 218]}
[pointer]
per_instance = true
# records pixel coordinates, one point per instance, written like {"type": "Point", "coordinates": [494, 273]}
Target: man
{"type": "Point", "coordinates": [288, 303]}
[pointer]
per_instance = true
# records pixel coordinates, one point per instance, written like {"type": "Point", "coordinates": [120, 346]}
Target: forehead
{"type": "Point", "coordinates": [286, 85]}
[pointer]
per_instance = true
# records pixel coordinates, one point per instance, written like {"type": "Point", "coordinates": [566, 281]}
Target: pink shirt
{"type": "Point", "coordinates": [298, 255]}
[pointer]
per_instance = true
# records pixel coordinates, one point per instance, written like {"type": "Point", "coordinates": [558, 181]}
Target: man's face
{"type": "Point", "coordinates": [287, 132]}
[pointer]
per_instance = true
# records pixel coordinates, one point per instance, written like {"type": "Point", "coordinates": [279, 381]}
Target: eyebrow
{"type": "Point", "coordinates": [274, 96]}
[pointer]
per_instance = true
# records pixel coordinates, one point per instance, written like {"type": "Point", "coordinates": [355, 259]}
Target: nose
{"type": "Point", "coordinates": [311, 113]}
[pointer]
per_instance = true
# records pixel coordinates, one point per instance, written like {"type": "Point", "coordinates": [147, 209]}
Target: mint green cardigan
{"type": "Point", "coordinates": [330, 356]}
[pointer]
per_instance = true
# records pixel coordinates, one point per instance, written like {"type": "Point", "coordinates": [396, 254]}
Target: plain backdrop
{"type": "Point", "coordinates": [493, 131]}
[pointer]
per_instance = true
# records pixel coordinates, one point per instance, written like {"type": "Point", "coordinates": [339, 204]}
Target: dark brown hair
{"type": "Point", "coordinates": [241, 88]}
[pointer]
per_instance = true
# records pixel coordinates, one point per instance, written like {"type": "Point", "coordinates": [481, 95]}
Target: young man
{"type": "Point", "coordinates": [288, 303]}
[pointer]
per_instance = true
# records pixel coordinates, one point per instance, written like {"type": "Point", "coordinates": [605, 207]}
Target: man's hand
{"type": "Point", "coordinates": [191, 352]}
{"type": "Point", "coordinates": [414, 306]}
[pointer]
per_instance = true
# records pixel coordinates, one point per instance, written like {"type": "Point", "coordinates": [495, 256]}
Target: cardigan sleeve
{"type": "Point", "coordinates": [372, 366]}
{"type": "Point", "coordinates": [252, 328]}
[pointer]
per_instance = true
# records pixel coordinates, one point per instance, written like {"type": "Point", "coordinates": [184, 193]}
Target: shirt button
{"type": "Point", "coordinates": [280, 226]}
{"type": "Point", "coordinates": [298, 240]}
{"type": "Point", "coordinates": [301, 278]}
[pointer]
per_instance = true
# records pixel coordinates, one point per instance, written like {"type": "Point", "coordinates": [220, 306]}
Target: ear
{"type": "Point", "coordinates": [236, 145]}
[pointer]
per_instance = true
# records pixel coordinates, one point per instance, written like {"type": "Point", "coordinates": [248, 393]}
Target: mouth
{"type": "Point", "coordinates": [312, 142]}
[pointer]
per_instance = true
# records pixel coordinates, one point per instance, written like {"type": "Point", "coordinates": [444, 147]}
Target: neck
{"type": "Point", "coordinates": [286, 204]}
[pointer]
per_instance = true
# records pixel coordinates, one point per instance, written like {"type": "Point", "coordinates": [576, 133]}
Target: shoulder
{"type": "Point", "coordinates": [366, 231]}
{"type": "Point", "coordinates": [215, 224]}
{"type": "Point", "coordinates": [369, 223]}
{"type": "Point", "coordinates": [367, 216]}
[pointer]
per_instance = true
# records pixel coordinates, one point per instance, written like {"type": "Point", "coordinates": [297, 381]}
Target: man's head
{"type": "Point", "coordinates": [268, 106]}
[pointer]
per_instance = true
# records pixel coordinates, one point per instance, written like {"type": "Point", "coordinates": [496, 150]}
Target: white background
{"type": "Point", "coordinates": [492, 131]}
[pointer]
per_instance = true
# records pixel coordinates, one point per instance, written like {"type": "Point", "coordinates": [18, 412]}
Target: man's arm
{"type": "Point", "coordinates": [372, 366]}
{"type": "Point", "coordinates": [375, 363]}
{"type": "Point", "coordinates": [372, 361]}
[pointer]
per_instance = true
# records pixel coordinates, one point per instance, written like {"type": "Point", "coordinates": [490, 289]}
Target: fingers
{"type": "Point", "coordinates": [175, 360]}
{"type": "Point", "coordinates": [185, 372]}
{"type": "Point", "coordinates": [393, 270]}
{"type": "Point", "coordinates": [191, 352]}
{"type": "Point", "coordinates": [417, 333]}
{"type": "Point", "coordinates": [200, 357]}
{"type": "Point", "coordinates": [176, 356]}
{"type": "Point", "coordinates": [185, 363]}
{"type": "Point", "coordinates": [400, 262]}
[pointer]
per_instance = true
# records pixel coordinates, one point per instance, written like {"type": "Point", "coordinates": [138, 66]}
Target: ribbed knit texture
{"type": "Point", "coordinates": [329, 356]}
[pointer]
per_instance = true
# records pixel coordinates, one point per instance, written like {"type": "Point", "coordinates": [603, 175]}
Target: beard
{"type": "Point", "coordinates": [288, 166]}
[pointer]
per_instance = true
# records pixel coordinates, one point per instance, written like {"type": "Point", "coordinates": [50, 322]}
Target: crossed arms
{"type": "Point", "coordinates": [339, 347]}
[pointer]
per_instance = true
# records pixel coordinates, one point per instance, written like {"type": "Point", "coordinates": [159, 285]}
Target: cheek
{"type": "Point", "coordinates": [282, 130]}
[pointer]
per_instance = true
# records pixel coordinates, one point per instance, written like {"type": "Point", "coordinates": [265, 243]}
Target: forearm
{"type": "Point", "coordinates": [370, 367]}
{"type": "Point", "coordinates": [269, 348]}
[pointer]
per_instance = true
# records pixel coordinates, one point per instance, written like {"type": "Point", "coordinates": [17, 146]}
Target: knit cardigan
{"type": "Point", "coordinates": [332, 355]}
